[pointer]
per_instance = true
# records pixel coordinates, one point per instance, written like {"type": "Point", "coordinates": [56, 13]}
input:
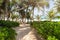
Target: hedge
{"type": "Point", "coordinates": [7, 33]}
{"type": "Point", "coordinates": [8, 23]}
{"type": "Point", "coordinates": [47, 28]}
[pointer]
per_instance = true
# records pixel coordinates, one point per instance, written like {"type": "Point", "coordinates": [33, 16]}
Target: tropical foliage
{"type": "Point", "coordinates": [51, 15]}
{"type": "Point", "coordinates": [48, 30]}
{"type": "Point", "coordinates": [6, 31]}
{"type": "Point", "coordinates": [8, 23]}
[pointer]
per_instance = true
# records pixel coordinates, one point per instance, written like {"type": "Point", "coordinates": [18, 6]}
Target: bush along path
{"type": "Point", "coordinates": [24, 32]}
{"type": "Point", "coordinates": [6, 31]}
{"type": "Point", "coordinates": [48, 30]}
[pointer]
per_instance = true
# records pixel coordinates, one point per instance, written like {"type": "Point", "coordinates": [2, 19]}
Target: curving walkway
{"type": "Point", "coordinates": [24, 32]}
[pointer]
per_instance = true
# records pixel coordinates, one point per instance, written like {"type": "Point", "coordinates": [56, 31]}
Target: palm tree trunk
{"type": "Point", "coordinates": [26, 14]}
{"type": "Point", "coordinates": [50, 19]}
{"type": "Point", "coordinates": [0, 16]}
{"type": "Point", "coordinates": [6, 9]}
{"type": "Point", "coordinates": [33, 14]}
{"type": "Point", "coordinates": [0, 13]}
{"type": "Point", "coordinates": [8, 15]}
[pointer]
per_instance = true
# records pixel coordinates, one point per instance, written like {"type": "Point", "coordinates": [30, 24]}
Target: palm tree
{"type": "Point", "coordinates": [8, 6]}
{"type": "Point", "coordinates": [4, 6]}
{"type": "Point", "coordinates": [51, 15]}
{"type": "Point", "coordinates": [24, 5]}
{"type": "Point", "coordinates": [1, 1]}
{"type": "Point", "coordinates": [57, 5]}
{"type": "Point", "coordinates": [37, 3]}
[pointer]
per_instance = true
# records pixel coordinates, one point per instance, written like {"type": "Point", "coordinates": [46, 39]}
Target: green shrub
{"type": "Point", "coordinates": [7, 33]}
{"type": "Point", "coordinates": [46, 28]}
{"type": "Point", "coordinates": [51, 38]}
{"type": "Point", "coordinates": [8, 23]}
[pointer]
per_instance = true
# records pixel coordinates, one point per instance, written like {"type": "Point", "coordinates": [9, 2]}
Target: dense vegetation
{"type": "Point", "coordinates": [6, 31]}
{"type": "Point", "coordinates": [49, 30]}
{"type": "Point", "coordinates": [8, 23]}
{"type": "Point", "coordinates": [25, 9]}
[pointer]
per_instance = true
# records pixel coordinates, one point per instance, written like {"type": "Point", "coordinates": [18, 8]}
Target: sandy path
{"type": "Point", "coordinates": [24, 32]}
